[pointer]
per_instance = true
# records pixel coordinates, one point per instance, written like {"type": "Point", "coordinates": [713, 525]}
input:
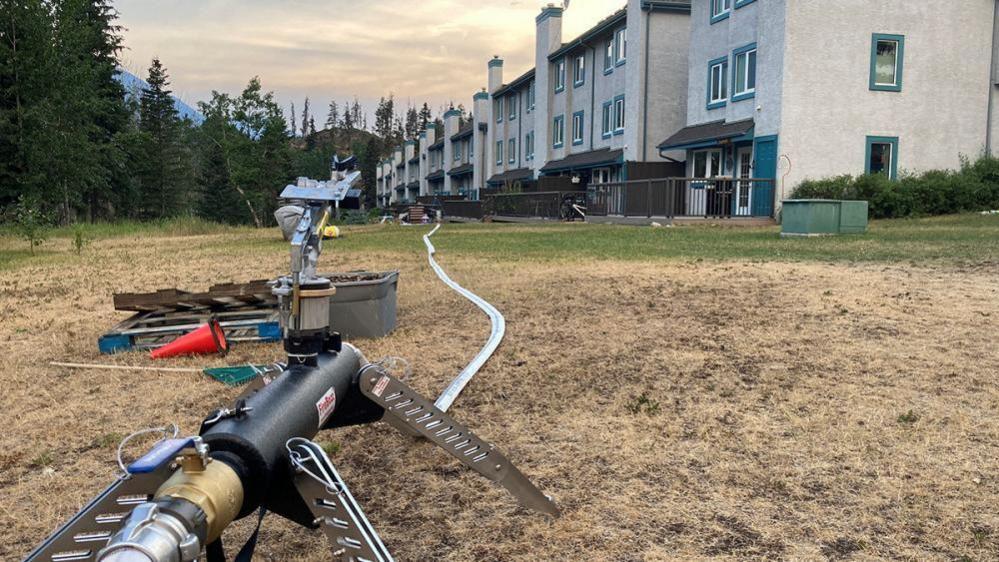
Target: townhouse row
{"type": "Point", "coordinates": [772, 90]}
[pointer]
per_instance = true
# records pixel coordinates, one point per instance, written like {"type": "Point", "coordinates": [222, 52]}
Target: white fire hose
{"type": "Point", "coordinates": [495, 337]}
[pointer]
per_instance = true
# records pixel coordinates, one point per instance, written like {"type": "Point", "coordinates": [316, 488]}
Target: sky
{"type": "Point", "coordinates": [418, 50]}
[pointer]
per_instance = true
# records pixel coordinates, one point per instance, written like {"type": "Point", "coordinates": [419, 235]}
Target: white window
{"type": "Point", "coordinates": [499, 153]}
{"type": "Point", "coordinates": [609, 55]}
{"type": "Point", "coordinates": [619, 114]}
{"type": "Point", "coordinates": [579, 71]}
{"type": "Point", "coordinates": [745, 74]}
{"type": "Point", "coordinates": [577, 128]}
{"type": "Point", "coordinates": [621, 40]}
{"type": "Point", "coordinates": [529, 146]}
{"type": "Point", "coordinates": [887, 54]}
{"type": "Point", "coordinates": [707, 164]}
{"type": "Point", "coordinates": [530, 96]}
{"type": "Point", "coordinates": [560, 75]}
{"type": "Point", "coordinates": [607, 128]}
{"type": "Point", "coordinates": [498, 110]}
{"type": "Point", "coordinates": [512, 150]}
{"type": "Point", "coordinates": [457, 151]}
{"type": "Point", "coordinates": [720, 8]}
{"type": "Point", "coordinates": [558, 132]}
{"type": "Point", "coordinates": [718, 80]}
{"type": "Point", "coordinates": [511, 103]}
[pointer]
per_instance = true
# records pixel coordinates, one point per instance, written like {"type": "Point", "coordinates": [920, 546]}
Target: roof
{"type": "Point", "coordinates": [413, 185]}
{"type": "Point", "coordinates": [436, 176]}
{"type": "Point", "coordinates": [594, 32]}
{"type": "Point", "coordinates": [353, 194]}
{"type": "Point", "coordinates": [517, 82]}
{"type": "Point", "coordinates": [710, 133]}
{"type": "Point", "coordinates": [414, 160]}
{"type": "Point", "coordinates": [462, 170]}
{"type": "Point", "coordinates": [583, 160]}
{"type": "Point", "coordinates": [465, 131]}
{"type": "Point", "coordinates": [437, 145]}
{"type": "Point", "coordinates": [520, 174]}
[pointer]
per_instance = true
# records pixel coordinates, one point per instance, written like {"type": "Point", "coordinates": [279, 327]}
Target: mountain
{"type": "Point", "coordinates": [133, 85]}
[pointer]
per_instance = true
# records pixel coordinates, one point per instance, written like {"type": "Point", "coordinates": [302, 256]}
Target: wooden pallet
{"type": "Point", "coordinates": [154, 329]}
{"type": "Point", "coordinates": [217, 297]}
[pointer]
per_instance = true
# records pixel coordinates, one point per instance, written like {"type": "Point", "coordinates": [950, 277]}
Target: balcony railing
{"type": "Point", "coordinates": [544, 204]}
{"type": "Point", "coordinates": [684, 197]}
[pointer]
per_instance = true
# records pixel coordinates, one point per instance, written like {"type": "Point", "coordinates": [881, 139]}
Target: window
{"type": "Point", "coordinates": [499, 153]}
{"type": "Point", "coordinates": [707, 164]}
{"type": "Point", "coordinates": [619, 115]}
{"type": "Point", "coordinates": [511, 105]}
{"type": "Point", "coordinates": [882, 156]}
{"type": "Point", "coordinates": [498, 110]}
{"type": "Point", "coordinates": [511, 149]}
{"type": "Point", "coordinates": [560, 75]}
{"type": "Point", "coordinates": [457, 151]}
{"type": "Point", "coordinates": [887, 52]}
{"type": "Point", "coordinates": [577, 128]}
{"type": "Point", "coordinates": [621, 46]}
{"type": "Point", "coordinates": [558, 132]}
{"type": "Point", "coordinates": [744, 74]}
{"type": "Point", "coordinates": [741, 3]}
{"type": "Point", "coordinates": [579, 71]}
{"type": "Point", "coordinates": [609, 57]}
{"type": "Point", "coordinates": [607, 124]}
{"type": "Point", "coordinates": [717, 83]}
{"type": "Point", "coordinates": [530, 97]}
{"type": "Point", "coordinates": [720, 9]}
{"type": "Point", "coordinates": [529, 146]}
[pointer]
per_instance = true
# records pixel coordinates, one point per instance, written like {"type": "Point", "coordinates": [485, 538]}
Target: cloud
{"type": "Point", "coordinates": [429, 50]}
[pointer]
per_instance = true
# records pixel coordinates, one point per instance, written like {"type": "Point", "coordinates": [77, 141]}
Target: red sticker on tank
{"type": "Point", "coordinates": [380, 386]}
{"type": "Point", "coordinates": [326, 405]}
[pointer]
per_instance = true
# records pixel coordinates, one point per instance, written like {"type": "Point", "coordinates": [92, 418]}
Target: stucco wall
{"type": "Point", "coordinates": [829, 109]}
{"type": "Point", "coordinates": [669, 43]}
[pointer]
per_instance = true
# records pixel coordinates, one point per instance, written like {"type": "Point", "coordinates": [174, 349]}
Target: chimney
{"type": "Point", "coordinates": [549, 30]}
{"type": "Point", "coordinates": [431, 133]}
{"type": "Point", "coordinates": [495, 73]}
{"type": "Point", "coordinates": [451, 122]}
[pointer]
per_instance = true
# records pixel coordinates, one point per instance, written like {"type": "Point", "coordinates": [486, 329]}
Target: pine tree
{"type": "Point", "coordinates": [305, 118]}
{"type": "Point", "coordinates": [384, 118]}
{"type": "Point", "coordinates": [292, 121]}
{"type": "Point", "coordinates": [162, 175]}
{"type": "Point", "coordinates": [426, 116]}
{"type": "Point", "coordinates": [348, 123]}
{"type": "Point", "coordinates": [412, 123]}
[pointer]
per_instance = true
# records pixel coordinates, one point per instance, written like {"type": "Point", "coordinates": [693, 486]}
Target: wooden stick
{"type": "Point", "coordinates": [124, 367]}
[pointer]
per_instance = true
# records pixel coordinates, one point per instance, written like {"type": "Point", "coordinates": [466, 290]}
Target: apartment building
{"type": "Point", "coordinates": [791, 90]}
{"type": "Point", "coordinates": [591, 109]}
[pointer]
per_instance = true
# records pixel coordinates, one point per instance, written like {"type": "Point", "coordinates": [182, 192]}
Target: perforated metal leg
{"type": "Point", "coordinates": [351, 536]}
{"type": "Point", "coordinates": [80, 539]}
{"type": "Point", "coordinates": [405, 406]}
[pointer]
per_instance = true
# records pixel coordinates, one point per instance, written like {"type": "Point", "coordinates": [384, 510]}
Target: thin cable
{"type": "Point", "coordinates": [495, 337]}
{"type": "Point", "coordinates": [172, 430]}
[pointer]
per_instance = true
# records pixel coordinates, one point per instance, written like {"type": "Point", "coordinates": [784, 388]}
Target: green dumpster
{"type": "Point", "coordinates": [823, 217]}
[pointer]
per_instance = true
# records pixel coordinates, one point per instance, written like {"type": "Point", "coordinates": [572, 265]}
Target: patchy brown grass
{"type": "Point", "coordinates": [677, 411]}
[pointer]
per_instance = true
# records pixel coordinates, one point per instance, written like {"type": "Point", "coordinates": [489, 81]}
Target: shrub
{"type": "Point", "coordinates": [975, 187]}
{"type": "Point", "coordinates": [30, 223]}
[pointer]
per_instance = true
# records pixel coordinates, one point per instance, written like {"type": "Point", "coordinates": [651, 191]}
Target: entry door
{"type": "Point", "coordinates": [765, 168]}
{"type": "Point", "coordinates": [743, 185]}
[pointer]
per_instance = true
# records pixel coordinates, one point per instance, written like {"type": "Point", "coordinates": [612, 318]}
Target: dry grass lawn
{"type": "Point", "coordinates": [677, 410]}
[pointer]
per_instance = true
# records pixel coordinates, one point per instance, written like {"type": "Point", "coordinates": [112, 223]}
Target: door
{"type": "Point", "coordinates": [707, 164]}
{"type": "Point", "coordinates": [765, 151]}
{"type": "Point", "coordinates": [743, 186]}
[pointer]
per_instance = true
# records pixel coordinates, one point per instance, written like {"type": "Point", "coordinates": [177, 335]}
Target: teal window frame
{"type": "Point", "coordinates": [499, 106]}
{"type": "Point", "coordinates": [578, 73]}
{"type": "Point", "coordinates": [607, 120]}
{"type": "Point", "coordinates": [621, 47]}
{"type": "Point", "coordinates": [511, 106]}
{"type": "Point", "coordinates": [560, 76]}
{"type": "Point", "coordinates": [499, 153]}
{"type": "Point", "coordinates": [581, 116]}
{"type": "Point", "coordinates": [530, 97]}
{"type": "Point", "coordinates": [558, 126]}
{"type": "Point", "coordinates": [529, 146]}
{"type": "Point", "coordinates": [619, 126]}
{"type": "Point", "coordinates": [720, 16]}
{"type": "Point", "coordinates": [457, 151]}
{"type": "Point", "coordinates": [723, 61]}
{"type": "Point", "coordinates": [748, 94]}
{"type": "Point", "coordinates": [899, 62]}
{"type": "Point", "coordinates": [741, 3]}
{"type": "Point", "coordinates": [893, 165]}
{"type": "Point", "coordinates": [609, 56]}
{"type": "Point", "coordinates": [511, 150]}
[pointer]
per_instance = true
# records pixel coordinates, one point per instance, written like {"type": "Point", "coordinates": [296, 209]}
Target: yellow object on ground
{"type": "Point", "coordinates": [331, 232]}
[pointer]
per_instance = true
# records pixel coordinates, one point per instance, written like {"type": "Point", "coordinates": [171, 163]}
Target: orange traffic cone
{"type": "Point", "coordinates": [207, 339]}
